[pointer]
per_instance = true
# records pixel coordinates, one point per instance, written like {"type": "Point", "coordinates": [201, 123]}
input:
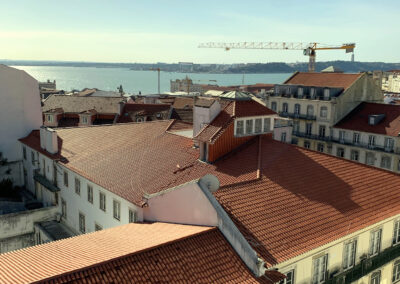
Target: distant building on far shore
{"type": "Point", "coordinates": [47, 85]}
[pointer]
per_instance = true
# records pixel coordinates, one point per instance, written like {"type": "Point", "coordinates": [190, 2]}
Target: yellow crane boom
{"type": "Point", "coordinates": [308, 48]}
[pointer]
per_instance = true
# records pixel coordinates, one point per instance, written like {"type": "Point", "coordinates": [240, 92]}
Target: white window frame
{"type": "Point", "coordinates": [84, 119]}
{"type": "Point", "coordinates": [353, 154]}
{"type": "Point", "coordinates": [274, 106]}
{"type": "Point", "coordinates": [320, 265]}
{"type": "Point", "coordinates": [260, 120]}
{"type": "Point", "coordinates": [249, 126]}
{"type": "Point", "coordinates": [241, 128]}
{"type": "Point", "coordinates": [375, 242]}
{"type": "Point", "coordinates": [285, 107]}
{"type": "Point", "coordinates": [239, 131]}
{"type": "Point", "coordinates": [389, 143]}
{"type": "Point", "coordinates": [396, 271]}
{"type": "Point", "coordinates": [342, 135]}
{"type": "Point", "coordinates": [349, 254]}
{"type": "Point", "coordinates": [102, 201]}
{"type": "Point", "coordinates": [289, 277]}
{"type": "Point", "coordinates": [386, 162]}
{"type": "Point", "coordinates": [117, 209]}
{"type": "Point", "coordinates": [396, 232]}
{"type": "Point", "coordinates": [323, 112]}
{"type": "Point", "coordinates": [320, 147]}
{"type": "Point", "coordinates": [132, 215]}
{"type": "Point", "coordinates": [356, 137]}
{"type": "Point", "coordinates": [89, 189]}
{"type": "Point", "coordinates": [49, 117]}
{"type": "Point", "coordinates": [371, 140]}
{"type": "Point", "coordinates": [376, 277]}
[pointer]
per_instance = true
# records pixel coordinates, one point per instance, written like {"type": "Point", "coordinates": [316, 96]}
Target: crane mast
{"type": "Point", "coordinates": [309, 49]}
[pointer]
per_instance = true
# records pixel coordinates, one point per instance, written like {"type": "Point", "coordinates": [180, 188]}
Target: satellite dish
{"type": "Point", "coordinates": [210, 181]}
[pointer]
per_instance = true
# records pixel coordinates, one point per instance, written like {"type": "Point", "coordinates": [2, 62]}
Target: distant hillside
{"type": "Point", "coordinates": [273, 67]}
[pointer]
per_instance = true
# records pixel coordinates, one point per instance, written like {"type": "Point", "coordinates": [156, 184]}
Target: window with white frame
{"type": "Point", "coordinates": [49, 117]}
{"type": "Point", "coordinates": [323, 111]}
{"type": "Point", "coordinates": [349, 254]}
{"type": "Point", "coordinates": [312, 92]}
{"type": "Point", "coordinates": [132, 216]}
{"type": "Point", "coordinates": [376, 277]}
{"type": "Point", "coordinates": [396, 271]}
{"type": "Point", "coordinates": [283, 137]}
{"type": "Point", "coordinates": [285, 107]}
{"type": "Point", "coordinates": [102, 198]}
{"type": "Point", "coordinates": [356, 137]}
{"type": "Point", "coordinates": [322, 129]}
{"type": "Point", "coordinates": [310, 110]}
{"type": "Point", "coordinates": [239, 127]}
{"type": "Point", "coordinates": [90, 193]}
{"type": "Point", "coordinates": [354, 156]}
{"type": "Point", "coordinates": [117, 209]}
{"type": "Point", "coordinates": [257, 125]}
{"type": "Point", "coordinates": [396, 232]}
{"type": "Point", "coordinates": [300, 92]}
{"type": "Point", "coordinates": [319, 269]}
{"type": "Point", "coordinates": [289, 278]}
{"type": "Point", "coordinates": [296, 126]}
{"type": "Point", "coordinates": [267, 124]}
{"type": "Point", "coordinates": [249, 126]}
{"type": "Point", "coordinates": [370, 158]}
{"type": "Point", "coordinates": [82, 225]}
{"type": "Point", "coordinates": [307, 144]}
{"type": "Point", "coordinates": [84, 119]}
{"type": "Point", "coordinates": [297, 109]}
{"type": "Point", "coordinates": [308, 128]}
{"type": "Point", "coordinates": [371, 140]}
{"type": "Point", "coordinates": [386, 162]}
{"type": "Point", "coordinates": [340, 152]}
{"type": "Point", "coordinates": [77, 186]}
{"type": "Point", "coordinates": [342, 135]}
{"type": "Point", "coordinates": [320, 147]}
{"type": "Point", "coordinates": [327, 94]}
{"type": "Point", "coordinates": [375, 243]}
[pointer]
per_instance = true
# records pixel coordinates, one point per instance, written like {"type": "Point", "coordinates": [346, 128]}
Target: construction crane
{"type": "Point", "coordinates": [309, 49]}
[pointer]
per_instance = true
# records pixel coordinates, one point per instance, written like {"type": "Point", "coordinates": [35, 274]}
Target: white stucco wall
{"type": "Point", "coordinates": [185, 204]}
{"type": "Point", "coordinates": [20, 109]}
{"type": "Point", "coordinates": [202, 115]}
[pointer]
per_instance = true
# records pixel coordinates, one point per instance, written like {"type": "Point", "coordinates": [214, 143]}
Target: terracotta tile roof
{"type": "Point", "coordinates": [202, 258]}
{"type": "Point", "coordinates": [334, 80]}
{"type": "Point", "coordinates": [181, 103]}
{"type": "Point", "coordinates": [204, 102]}
{"type": "Point", "coordinates": [287, 213]}
{"type": "Point", "coordinates": [178, 125]}
{"type": "Point", "coordinates": [67, 255]}
{"type": "Point", "coordinates": [129, 158]}
{"type": "Point", "coordinates": [185, 115]}
{"type": "Point", "coordinates": [357, 119]}
{"type": "Point", "coordinates": [210, 132]}
{"type": "Point", "coordinates": [74, 104]}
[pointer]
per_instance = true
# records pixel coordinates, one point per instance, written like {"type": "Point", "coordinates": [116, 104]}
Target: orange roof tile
{"type": "Point", "coordinates": [333, 80]}
{"type": "Point", "coordinates": [67, 255]}
{"type": "Point", "coordinates": [303, 214]}
{"type": "Point", "coordinates": [357, 119]}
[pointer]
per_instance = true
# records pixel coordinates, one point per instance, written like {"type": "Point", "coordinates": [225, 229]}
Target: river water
{"type": "Point", "coordinates": [69, 78]}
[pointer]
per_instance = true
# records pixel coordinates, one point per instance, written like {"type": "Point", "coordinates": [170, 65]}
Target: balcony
{"type": "Point", "coordinates": [366, 266]}
{"type": "Point", "coordinates": [297, 115]}
{"type": "Point", "coordinates": [367, 146]}
{"type": "Point", "coordinates": [311, 136]}
{"type": "Point", "coordinates": [45, 182]}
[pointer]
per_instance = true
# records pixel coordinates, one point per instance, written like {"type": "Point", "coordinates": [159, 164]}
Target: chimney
{"type": "Point", "coordinates": [204, 111]}
{"type": "Point", "coordinates": [51, 141]}
{"type": "Point", "coordinates": [43, 137]}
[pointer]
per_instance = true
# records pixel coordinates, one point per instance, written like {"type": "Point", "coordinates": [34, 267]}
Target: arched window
{"type": "Point", "coordinates": [310, 110]}
{"type": "Point", "coordinates": [323, 112]}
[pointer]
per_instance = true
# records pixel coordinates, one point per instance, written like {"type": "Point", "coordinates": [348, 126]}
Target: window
{"type": "Point", "coordinates": [296, 126]}
{"type": "Point", "coordinates": [354, 155]}
{"type": "Point", "coordinates": [310, 110]}
{"type": "Point", "coordinates": [24, 152]}
{"type": "Point", "coordinates": [49, 118]}
{"type": "Point", "coordinates": [283, 137]}
{"type": "Point", "coordinates": [273, 106]}
{"type": "Point", "coordinates": [370, 158]}
{"type": "Point", "coordinates": [33, 157]}
{"type": "Point", "coordinates": [323, 112]}
{"type": "Point", "coordinates": [396, 232]}
{"type": "Point", "coordinates": [258, 125]}
{"type": "Point", "coordinates": [389, 142]}
{"type": "Point", "coordinates": [158, 115]}
{"type": "Point", "coordinates": [308, 128]}
{"type": "Point", "coordinates": [307, 144]}
{"type": "Point", "coordinates": [239, 127]}
{"type": "Point", "coordinates": [63, 209]}
{"type": "Point", "coordinates": [320, 147]}
{"type": "Point", "coordinates": [267, 124]}
{"type": "Point", "coordinates": [371, 141]}
{"type": "Point", "coordinates": [285, 107]}
{"type": "Point", "coordinates": [375, 243]}
{"type": "Point", "coordinates": [117, 209]}
{"type": "Point", "coordinates": [90, 193]}
{"type": "Point", "coordinates": [326, 94]}
{"type": "Point", "coordinates": [319, 269]}
{"type": "Point", "coordinates": [102, 197]}
{"type": "Point", "coordinates": [297, 109]}
{"type": "Point", "coordinates": [322, 129]}
{"type": "Point", "coordinates": [300, 92]}
{"type": "Point", "coordinates": [342, 135]}
{"type": "Point", "coordinates": [77, 186]}
{"type": "Point", "coordinates": [396, 271]}
{"type": "Point", "coordinates": [132, 216]}
{"type": "Point", "coordinates": [295, 141]}
{"type": "Point", "coordinates": [386, 162]}
{"type": "Point", "coordinates": [82, 226]}
{"type": "Point", "coordinates": [289, 278]}
{"type": "Point", "coordinates": [349, 254]}
{"type": "Point", "coordinates": [340, 152]}
{"type": "Point", "coordinates": [97, 227]}
{"type": "Point", "coordinates": [65, 178]}
{"type": "Point", "coordinates": [356, 138]}
{"type": "Point", "coordinates": [84, 119]}
{"type": "Point", "coordinates": [376, 277]}
{"type": "Point", "coordinates": [249, 126]}
{"type": "Point", "coordinates": [312, 93]}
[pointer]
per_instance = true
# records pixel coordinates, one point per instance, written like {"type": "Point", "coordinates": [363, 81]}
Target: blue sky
{"type": "Point", "coordinates": [170, 30]}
